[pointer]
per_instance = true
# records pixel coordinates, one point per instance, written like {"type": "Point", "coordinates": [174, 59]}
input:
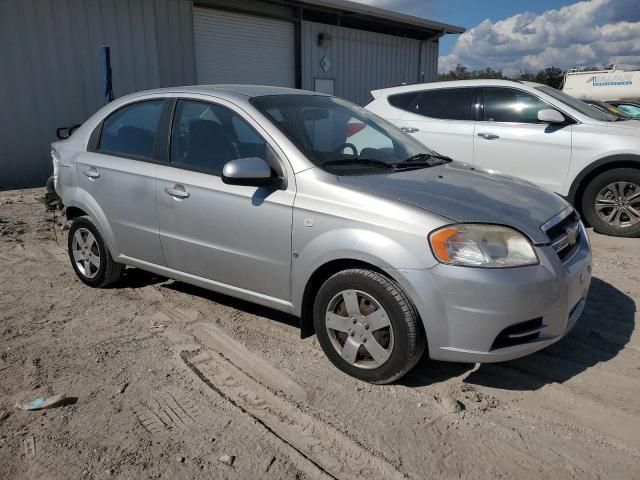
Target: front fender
{"type": "Point", "coordinates": [625, 160]}
{"type": "Point", "coordinates": [377, 249]}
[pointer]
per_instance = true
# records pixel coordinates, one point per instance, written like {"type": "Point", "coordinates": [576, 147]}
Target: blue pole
{"type": "Point", "coordinates": [107, 86]}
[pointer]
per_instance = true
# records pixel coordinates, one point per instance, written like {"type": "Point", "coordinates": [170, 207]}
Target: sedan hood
{"type": "Point", "coordinates": [464, 194]}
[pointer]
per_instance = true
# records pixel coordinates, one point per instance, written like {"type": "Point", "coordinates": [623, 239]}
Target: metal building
{"type": "Point", "coordinates": [50, 72]}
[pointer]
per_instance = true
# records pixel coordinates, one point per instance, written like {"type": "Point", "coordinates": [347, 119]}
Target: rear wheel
{"type": "Point", "coordinates": [611, 202]}
{"type": "Point", "coordinates": [90, 256]}
{"type": "Point", "coordinates": [367, 326]}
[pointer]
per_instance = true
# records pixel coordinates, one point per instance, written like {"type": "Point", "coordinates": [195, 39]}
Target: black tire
{"type": "Point", "coordinates": [409, 341]}
{"type": "Point", "coordinates": [109, 271]}
{"type": "Point", "coordinates": [595, 186]}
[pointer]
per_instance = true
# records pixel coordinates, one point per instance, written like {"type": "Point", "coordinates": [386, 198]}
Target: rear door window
{"type": "Point", "coordinates": [132, 130]}
{"type": "Point", "coordinates": [447, 103]}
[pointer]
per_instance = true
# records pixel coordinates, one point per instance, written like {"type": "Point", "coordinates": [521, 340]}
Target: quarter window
{"type": "Point", "coordinates": [511, 105]}
{"type": "Point", "coordinates": [447, 103]}
{"type": "Point", "coordinates": [132, 130]}
{"type": "Point", "coordinates": [404, 101]}
{"type": "Point", "coordinates": [206, 136]}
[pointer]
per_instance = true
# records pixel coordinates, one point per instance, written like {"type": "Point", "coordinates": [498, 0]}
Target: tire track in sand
{"type": "Point", "coordinates": [330, 450]}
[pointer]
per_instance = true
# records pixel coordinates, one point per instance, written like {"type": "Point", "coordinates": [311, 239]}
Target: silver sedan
{"type": "Point", "coordinates": [311, 205]}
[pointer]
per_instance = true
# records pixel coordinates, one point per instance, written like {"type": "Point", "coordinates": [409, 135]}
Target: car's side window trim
{"type": "Point", "coordinates": [157, 155]}
{"type": "Point", "coordinates": [278, 167]}
{"type": "Point", "coordinates": [569, 119]}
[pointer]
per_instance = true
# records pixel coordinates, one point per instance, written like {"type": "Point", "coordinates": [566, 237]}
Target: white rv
{"type": "Point", "coordinates": [603, 84]}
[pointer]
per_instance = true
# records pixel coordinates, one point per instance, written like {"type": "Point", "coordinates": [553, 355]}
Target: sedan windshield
{"type": "Point", "coordinates": [343, 138]}
{"type": "Point", "coordinates": [579, 105]}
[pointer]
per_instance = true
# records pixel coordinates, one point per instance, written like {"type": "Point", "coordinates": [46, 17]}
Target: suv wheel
{"type": "Point", "coordinates": [89, 254]}
{"type": "Point", "coordinates": [611, 202]}
{"type": "Point", "coordinates": [367, 326]}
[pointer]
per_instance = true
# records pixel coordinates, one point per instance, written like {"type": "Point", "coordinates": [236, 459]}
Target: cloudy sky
{"type": "Point", "coordinates": [515, 35]}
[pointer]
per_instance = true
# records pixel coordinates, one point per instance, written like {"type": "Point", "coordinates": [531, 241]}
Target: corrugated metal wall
{"type": "Point", "coordinates": [362, 61]}
{"type": "Point", "coordinates": [50, 72]}
{"type": "Point", "coordinates": [429, 61]}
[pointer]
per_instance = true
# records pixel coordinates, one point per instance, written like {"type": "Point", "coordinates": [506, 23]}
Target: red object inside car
{"type": "Point", "coordinates": [353, 128]}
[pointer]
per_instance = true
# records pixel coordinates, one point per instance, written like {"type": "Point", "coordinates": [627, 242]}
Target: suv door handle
{"type": "Point", "coordinates": [489, 136]}
{"type": "Point", "coordinates": [91, 173]}
{"type": "Point", "coordinates": [177, 191]}
{"type": "Point", "coordinates": [409, 129]}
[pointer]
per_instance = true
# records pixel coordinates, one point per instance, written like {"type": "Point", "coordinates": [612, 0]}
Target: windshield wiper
{"type": "Point", "coordinates": [421, 160]}
{"type": "Point", "coordinates": [424, 157]}
{"type": "Point", "coordinates": [415, 161]}
{"type": "Point", "coordinates": [358, 161]}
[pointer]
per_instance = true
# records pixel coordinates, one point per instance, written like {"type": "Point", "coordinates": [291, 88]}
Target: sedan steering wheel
{"type": "Point", "coordinates": [347, 145]}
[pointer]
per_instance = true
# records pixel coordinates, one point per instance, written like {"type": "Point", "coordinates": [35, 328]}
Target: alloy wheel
{"type": "Point", "coordinates": [86, 253]}
{"type": "Point", "coordinates": [618, 204]}
{"type": "Point", "coordinates": [359, 329]}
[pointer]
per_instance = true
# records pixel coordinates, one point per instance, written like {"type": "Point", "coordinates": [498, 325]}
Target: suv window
{"type": "Point", "coordinates": [403, 101]}
{"type": "Point", "coordinates": [205, 136]}
{"type": "Point", "coordinates": [447, 103]}
{"type": "Point", "coordinates": [511, 105]}
{"type": "Point", "coordinates": [132, 130]}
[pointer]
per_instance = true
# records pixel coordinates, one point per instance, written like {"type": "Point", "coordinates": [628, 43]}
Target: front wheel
{"type": "Point", "coordinates": [367, 326]}
{"type": "Point", "coordinates": [611, 202]}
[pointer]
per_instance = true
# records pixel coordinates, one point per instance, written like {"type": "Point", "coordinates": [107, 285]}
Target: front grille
{"type": "Point", "coordinates": [564, 234]}
{"type": "Point", "coordinates": [519, 333]}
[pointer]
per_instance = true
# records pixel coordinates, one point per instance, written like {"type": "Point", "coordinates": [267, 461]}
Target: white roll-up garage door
{"type": "Point", "coordinates": [237, 48]}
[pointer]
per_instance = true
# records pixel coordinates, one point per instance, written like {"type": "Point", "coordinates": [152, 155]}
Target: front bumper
{"type": "Point", "coordinates": [464, 310]}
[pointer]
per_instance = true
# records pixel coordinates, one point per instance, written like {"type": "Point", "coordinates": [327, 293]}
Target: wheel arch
{"type": "Point", "coordinates": [317, 279]}
{"type": "Point", "coordinates": [596, 168]}
{"type": "Point", "coordinates": [74, 212]}
{"type": "Point", "coordinates": [79, 203]}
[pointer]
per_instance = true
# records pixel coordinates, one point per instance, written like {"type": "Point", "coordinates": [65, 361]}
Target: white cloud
{"type": "Point", "coordinates": [587, 33]}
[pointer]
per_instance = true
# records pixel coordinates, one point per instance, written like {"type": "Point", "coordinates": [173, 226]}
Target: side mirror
{"type": "Point", "coordinates": [549, 115]}
{"type": "Point", "coordinates": [250, 171]}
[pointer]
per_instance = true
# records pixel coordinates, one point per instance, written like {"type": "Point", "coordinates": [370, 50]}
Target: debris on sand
{"type": "Point", "coordinates": [227, 459]}
{"type": "Point", "coordinates": [41, 403]}
{"type": "Point", "coordinates": [123, 387]}
{"type": "Point", "coordinates": [451, 405]}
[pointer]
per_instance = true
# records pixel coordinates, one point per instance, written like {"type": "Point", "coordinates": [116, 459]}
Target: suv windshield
{"type": "Point", "coordinates": [343, 138]}
{"type": "Point", "coordinates": [579, 105]}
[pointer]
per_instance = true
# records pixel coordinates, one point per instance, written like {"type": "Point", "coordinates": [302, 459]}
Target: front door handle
{"type": "Point", "coordinates": [91, 173]}
{"type": "Point", "coordinates": [178, 191]}
{"type": "Point", "coordinates": [409, 129]}
{"type": "Point", "coordinates": [489, 136]}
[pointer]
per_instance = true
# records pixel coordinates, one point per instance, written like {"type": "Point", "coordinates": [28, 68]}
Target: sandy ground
{"type": "Point", "coordinates": [166, 379]}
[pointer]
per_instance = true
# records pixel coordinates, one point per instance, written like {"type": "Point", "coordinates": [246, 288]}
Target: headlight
{"type": "Point", "coordinates": [478, 245]}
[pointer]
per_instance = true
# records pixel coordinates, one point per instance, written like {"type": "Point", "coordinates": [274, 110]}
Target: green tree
{"type": "Point", "coordinates": [551, 76]}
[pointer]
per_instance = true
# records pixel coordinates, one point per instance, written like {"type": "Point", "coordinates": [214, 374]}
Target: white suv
{"type": "Point", "coordinates": [531, 131]}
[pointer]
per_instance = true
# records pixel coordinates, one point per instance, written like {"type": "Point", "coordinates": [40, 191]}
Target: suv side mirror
{"type": "Point", "coordinates": [549, 115]}
{"type": "Point", "coordinates": [250, 171]}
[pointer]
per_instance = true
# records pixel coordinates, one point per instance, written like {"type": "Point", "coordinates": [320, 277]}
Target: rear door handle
{"type": "Point", "coordinates": [409, 129]}
{"type": "Point", "coordinates": [91, 173]}
{"type": "Point", "coordinates": [489, 136]}
{"type": "Point", "coordinates": [178, 191]}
